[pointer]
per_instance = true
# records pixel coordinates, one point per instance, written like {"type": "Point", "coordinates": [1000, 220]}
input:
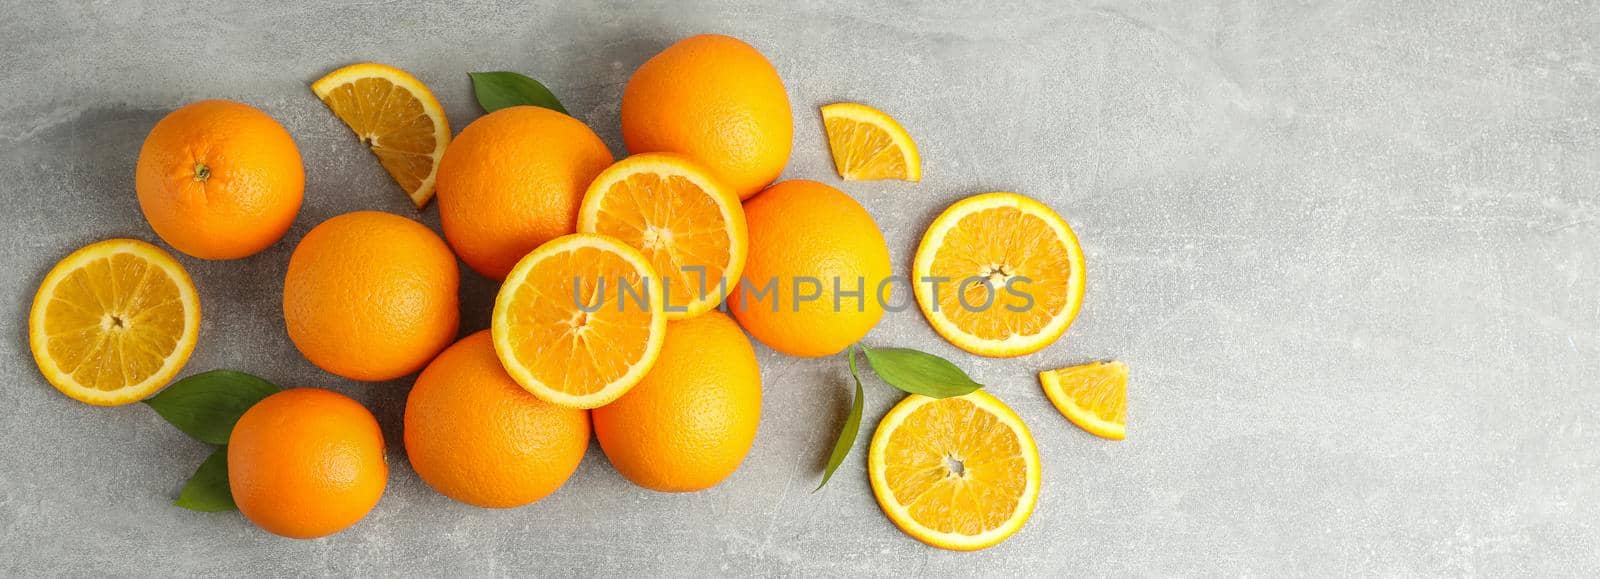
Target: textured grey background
{"type": "Point", "coordinates": [1350, 250]}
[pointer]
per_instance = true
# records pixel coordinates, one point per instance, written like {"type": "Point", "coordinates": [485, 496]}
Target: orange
{"type": "Point", "coordinates": [395, 116]}
{"type": "Point", "coordinates": [371, 296]}
{"type": "Point", "coordinates": [580, 320]}
{"type": "Point", "coordinates": [818, 272]}
{"type": "Point", "coordinates": [1093, 396]}
{"type": "Point", "coordinates": [691, 421]}
{"type": "Point", "coordinates": [689, 225]}
{"type": "Point", "coordinates": [306, 463]}
{"type": "Point", "coordinates": [477, 437]}
{"type": "Point", "coordinates": [114, 322]}
{"type": "Point", "coordinates": [868, 144]}
{"type": "Point", "coordinates": [219, 180]}
{"type": "Point", "coordinates": [512, 180]}
{"type": "Point", "coordinates": [716, 100]}
{"type": "Point", "coordinates": [956, 473]}
{"type": "Point", "coordinates": [1012, 274]}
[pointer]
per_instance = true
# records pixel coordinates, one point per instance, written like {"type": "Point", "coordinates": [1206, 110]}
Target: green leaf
{"type": "Point", "coordinates": [920, 372]}
{"type": "Point", "coordinates": [207, 491]}
{"type": "Point", "coordinates": [206, 405]}
{"type": "Point", "coordinates": [852, 426]}
{"type": "Point", "coordinates": [501, 89]}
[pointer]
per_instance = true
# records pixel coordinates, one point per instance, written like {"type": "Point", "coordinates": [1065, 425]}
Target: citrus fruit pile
{"type": "Point", "coordinates": [610, 318]}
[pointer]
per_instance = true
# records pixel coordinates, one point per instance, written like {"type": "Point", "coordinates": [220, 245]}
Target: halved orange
{"type": "Point", "coordinates": [579, 320]}
{"type": "Point", "coordinates": [957, 473]}
{"type": "Point", "coordinates": [396, 116]}
{"type": "Point", "coordinates": [688, 224]}
{"type": "Point", "coordinates": [1093, 396]}
{"type": "Point", "coordinates": [999, 274]}
{"type": "Point", "coordinates": [868, 144]}
{"type": "Point", "coordinates": [113, 322]}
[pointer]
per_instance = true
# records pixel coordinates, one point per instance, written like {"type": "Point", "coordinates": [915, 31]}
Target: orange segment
{"type": "Point", "coordinates": [1093, 396]}
{"type": "Point", "coordinates": [1008, 275]}
{"type": "Point", "coordinates": [396, 116]}
{"type": "Point", "coordinates": [957, 473]}
{"type": "Point", "coordinates": [558, 351]}
{"type": "Point", "coordinates": [114, 322]}
{"type": "Point", "coordinates": [868, 144]}
{"type": "Point", "coordinates": [687, 223]}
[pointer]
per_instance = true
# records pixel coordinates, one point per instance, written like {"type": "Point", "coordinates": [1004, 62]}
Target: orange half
{"type": "Point", "coordinates": [579, 320]}
{"type": "Point", "coordinates": [957, 473]}
{"type": "Point", "coordinates": [686, 223]}
{"type": "Point", "coordinates": [999, 274]}
{"type": "Point", "coordinates": [114, 322]}
{"type": "Point", "coordinates": [396, 116]}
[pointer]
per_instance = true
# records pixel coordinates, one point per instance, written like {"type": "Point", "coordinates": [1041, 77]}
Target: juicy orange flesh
{"type": "Point", "coordinates": [674, 225]}
{"type": "Point", "coordinates": [920, 467]}
{"type": "Point", "coordinates": [1000, 244]}
{"type": "Point", "coordinates": [390, 120]}
{"type": "Point", "coordinates": [570, 350]}
{"type": "Point", "coordinates": [864, 151]}
{"type": "Point", "coordinates": [113, 322]}
{"type": "Point", "coordinates": [1100, 389]}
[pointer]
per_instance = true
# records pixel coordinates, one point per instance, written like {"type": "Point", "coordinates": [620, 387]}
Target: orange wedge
{"type": "Point", "coordinates": [396, 116]}
{"type": "Point", "coordinates": [957, 473]}
{"type": "Point", "coordinates": [1093, 396]}
{"type": "Point", "coordinates": [689, 225]}
{"type": "Point", "coordinates": [999, 274]}
{"type": "Point", "coordinates": [868, 144]}
{"type": "Point", "coordinates": [579, 320]}
{"type": "Point", "coordinates": [114, 322]}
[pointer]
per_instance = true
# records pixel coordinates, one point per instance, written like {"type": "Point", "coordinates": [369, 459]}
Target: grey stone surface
{"type": "Point", "coordinates": [1351, 251]}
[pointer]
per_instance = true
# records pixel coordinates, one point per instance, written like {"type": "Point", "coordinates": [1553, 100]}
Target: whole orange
{"type": "Point", "coordinates": [816, 278]}
{"type": "Point", "coordinates": [219, 180]}
{"type": "Point", "coordinates": [371, 296]}
{"type": "Point", "coordinates": [714, 99]}
{"type": "Point", "coordinates": [306, 463]}
{"type": "Point", "coordinates": [477, 437]}
{"type": "Point", "coordinates": [692, 419]}
{"type": "Point", "coordinates": [512, 180]}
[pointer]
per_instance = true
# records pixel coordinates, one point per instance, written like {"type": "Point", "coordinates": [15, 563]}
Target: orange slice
{"type": "Point", "coordinates": [690, 226]}
{"type": "Point", "coordinates": [999, 274]}
{"type": "Point", "coordinates": [396, 116]}
{"type": "Point", "coordinates": [868, 144]}
{"type": "Point", "coordinates": [114, 322]}
{"type": "Point", "coordinates": [1093, 396]}
{"type": "Point", "coordinates": [579, 320]}
{"type": "Point", "coordinates": [957, 473]}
